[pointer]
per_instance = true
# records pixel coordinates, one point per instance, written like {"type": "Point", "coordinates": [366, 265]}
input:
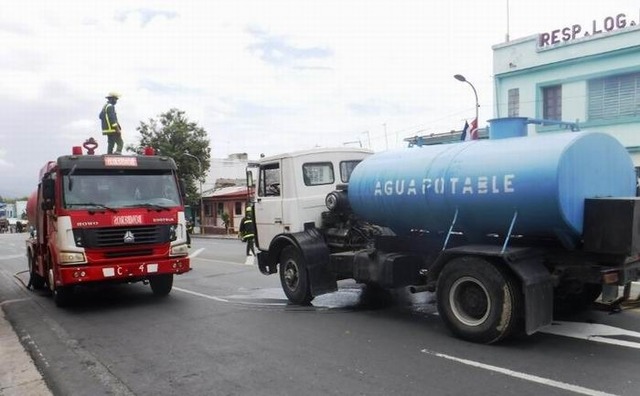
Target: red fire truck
{"type": "Point", "coordinates": [106, 219]}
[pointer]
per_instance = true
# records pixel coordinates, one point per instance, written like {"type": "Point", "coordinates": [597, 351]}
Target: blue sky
{"type": "Point", "coordinates": [260, 76]}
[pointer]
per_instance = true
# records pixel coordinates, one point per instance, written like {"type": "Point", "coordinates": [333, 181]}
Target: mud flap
{"type": "Point", "coordinates": [265, 267]}
{"type": "Point", "coordinates": [538, 293]}
{"type": "Point", "coordinates": [316, 255]}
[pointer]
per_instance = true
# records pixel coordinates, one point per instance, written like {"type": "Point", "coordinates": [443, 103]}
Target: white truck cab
{"type": "Point", "coordinates": [291, 188]}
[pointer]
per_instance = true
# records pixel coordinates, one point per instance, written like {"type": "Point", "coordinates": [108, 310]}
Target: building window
{"type": "Point", "coordinates": [552, 102]}
{"type": "Point", "coordinates": [513, 108]}
{"type": "Point", "coordinates": [207, 210]}
{"type": "Point", "coordinates": [614, 97]}
{"type": "Point", "coordinates": [220, 208]}
{"type": "Point", "coordinates": [238, 208]}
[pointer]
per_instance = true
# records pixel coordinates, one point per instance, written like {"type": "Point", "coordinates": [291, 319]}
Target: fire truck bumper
{"type": "Point", "coordinates": [121, 272]}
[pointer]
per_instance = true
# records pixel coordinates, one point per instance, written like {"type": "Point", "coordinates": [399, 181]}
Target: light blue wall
{"type": "Point", "coordinates": [521, 64]}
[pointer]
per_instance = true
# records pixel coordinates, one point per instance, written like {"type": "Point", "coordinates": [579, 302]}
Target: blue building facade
{"type": "Point", "coordinates": [589, 74]}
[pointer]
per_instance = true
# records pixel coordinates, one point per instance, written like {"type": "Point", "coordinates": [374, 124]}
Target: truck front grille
{"type": "Point", "coordinates": [121, 236]}
{"type": "Point", "coordinates": [128, 253]}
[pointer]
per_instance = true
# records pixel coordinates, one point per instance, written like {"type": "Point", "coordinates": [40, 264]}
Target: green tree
{"type": "Point", "coordinates": [173, 135]}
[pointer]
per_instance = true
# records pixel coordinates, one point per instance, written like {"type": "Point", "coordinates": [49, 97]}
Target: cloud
{"type": "Point", "coordinates": [277, 51]}
{"type": "Point", "coordinates": [259, 76]}
{"type": "Point", "coordinates": [144, 15]}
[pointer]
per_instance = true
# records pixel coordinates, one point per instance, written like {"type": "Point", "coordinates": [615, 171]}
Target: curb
{"type": "Point", "coordinates": [18, 372]}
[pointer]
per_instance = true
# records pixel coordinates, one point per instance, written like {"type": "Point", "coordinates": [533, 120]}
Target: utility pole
{"type": "Point", "coordinates": [461, 78]}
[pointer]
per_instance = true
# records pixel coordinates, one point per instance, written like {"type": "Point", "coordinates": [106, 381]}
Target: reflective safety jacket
{"type": "Point", "coordinates": [247, 229]}
{"type": "Point", "coordinates": [109, 119]}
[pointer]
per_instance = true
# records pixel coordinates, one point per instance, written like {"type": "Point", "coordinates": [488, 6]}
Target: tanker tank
{"type": "Point", "coordinates": [32, 209]}
{"type": "Point", "coordinates": [537, 182]}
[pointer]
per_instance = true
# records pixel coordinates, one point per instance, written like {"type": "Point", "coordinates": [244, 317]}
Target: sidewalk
{"type": "Point", "coordinates": [18, 373]}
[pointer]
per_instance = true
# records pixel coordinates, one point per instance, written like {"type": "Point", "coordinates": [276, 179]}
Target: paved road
{"type": "Point", "coordinates": [228, 330]}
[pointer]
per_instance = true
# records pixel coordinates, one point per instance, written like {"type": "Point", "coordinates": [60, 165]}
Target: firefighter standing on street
{"type": "Point", "coordinates": [110, 125]}
{"type": "Point", "coordinates": [247, 231]}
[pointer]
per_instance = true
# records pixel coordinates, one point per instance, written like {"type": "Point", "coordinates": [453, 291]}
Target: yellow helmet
{"type": "Point", "coordinates": [249, 209]}
{"type": "Point", "coordinates": [113, 95]}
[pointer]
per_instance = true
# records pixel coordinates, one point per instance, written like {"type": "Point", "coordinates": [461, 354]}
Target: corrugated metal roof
{"type": "Point", "coordinates": [228, 192]}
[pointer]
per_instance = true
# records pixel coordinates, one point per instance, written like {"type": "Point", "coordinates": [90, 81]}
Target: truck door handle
{"type": "Point", "coordinates": [277, 221]}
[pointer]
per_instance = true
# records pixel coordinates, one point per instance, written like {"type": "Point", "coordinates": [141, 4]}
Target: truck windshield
{"type": "Point", "coordinates": [88, 189]}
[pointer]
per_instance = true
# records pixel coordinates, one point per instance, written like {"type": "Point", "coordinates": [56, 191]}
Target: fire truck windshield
{"type": "Point", "coordinates": [91, 189]}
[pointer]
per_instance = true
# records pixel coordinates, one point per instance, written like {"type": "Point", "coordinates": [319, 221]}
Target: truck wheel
{"type": "Point", "coordinates": [35, 280]}
{"type": "Point", "coordinates": [62, 296]}
{"type": "Point", "coordinates": [478, 300]}
{"type": "Point", "coordinates": [294, 277]}
{"type": "Point", "coordinates": [161, 284]}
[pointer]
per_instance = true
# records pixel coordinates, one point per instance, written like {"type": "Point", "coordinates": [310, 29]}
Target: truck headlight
{"type": "Point", "coordinates": [179, 250]}
{"type": "Point", "coordinates": [66, 258]}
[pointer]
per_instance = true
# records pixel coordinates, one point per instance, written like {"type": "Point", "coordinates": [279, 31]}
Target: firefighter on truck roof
{"type": "Point", "coordinates": [110, 125]}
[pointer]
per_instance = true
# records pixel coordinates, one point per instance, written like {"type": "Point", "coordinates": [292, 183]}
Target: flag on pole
{"type": "Point", "coordinates": [465, 131]}
{"type": "Point", "coordinates": [470, 131]}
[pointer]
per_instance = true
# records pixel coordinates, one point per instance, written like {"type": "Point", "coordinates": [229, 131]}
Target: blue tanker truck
{"type": "Point", "coordinates": [504, 230]}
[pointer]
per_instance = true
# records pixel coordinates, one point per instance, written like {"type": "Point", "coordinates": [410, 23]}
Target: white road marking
{"type": "Point", "coordinates": [527, 377]}
{"type": "Point", "coordinates": [593, 332]}
{"type": "Point", "coordinates": [220, 299]}
{"type": "Point", "coordinates": [220, 261]}
{"type": "Point", "coordinates": [200, 294]}
{"type": "Point", "coordinates": [196, 253]}
{"type": "Point", "coordinates": [249, 260]}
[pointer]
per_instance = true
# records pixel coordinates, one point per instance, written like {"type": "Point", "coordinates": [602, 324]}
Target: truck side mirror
{"type": "Point", "coordinates": [48, 194]}
{"type": "Point", "coordinates": [250, 182]}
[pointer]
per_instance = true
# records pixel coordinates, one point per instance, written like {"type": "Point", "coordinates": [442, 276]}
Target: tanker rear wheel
{"type": "Point", "coordinates": [478, 300]}
{"type": "Point", "coordinates": [294, 277]}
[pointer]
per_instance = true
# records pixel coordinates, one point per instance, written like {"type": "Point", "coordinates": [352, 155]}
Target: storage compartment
{"type": "Point", "coordinates": [612, 225]}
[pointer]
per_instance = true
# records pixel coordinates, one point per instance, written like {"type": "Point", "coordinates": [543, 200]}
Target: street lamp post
{"type": "Point", "coordinates": [460, 77]}
{"type": "Point", "coordinates": [200, 180]}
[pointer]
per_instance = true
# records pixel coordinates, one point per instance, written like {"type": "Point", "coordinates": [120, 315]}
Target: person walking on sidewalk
{"type": "Point", "coordinates": [248, 231]}
{"type": "Point", "coordinates": [110, 125]}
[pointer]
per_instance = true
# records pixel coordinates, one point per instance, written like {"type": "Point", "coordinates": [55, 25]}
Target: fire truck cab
{"type": "Point", "coordinates": [106, 219]}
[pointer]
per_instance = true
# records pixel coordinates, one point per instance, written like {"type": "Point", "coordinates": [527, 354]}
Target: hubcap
{"type": "Point", "coordinates": [470, 301]}
{"type": "Point", "coordinates": [291, 277]}
{"type": "Point", "coordinates": [52, 286]}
